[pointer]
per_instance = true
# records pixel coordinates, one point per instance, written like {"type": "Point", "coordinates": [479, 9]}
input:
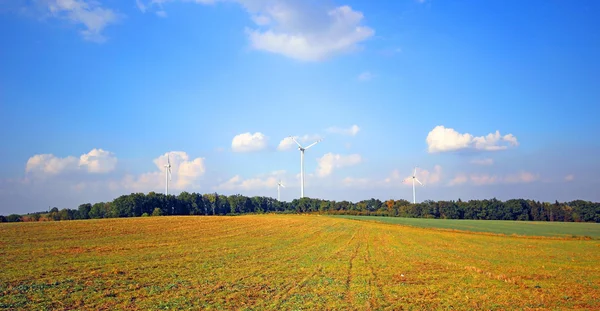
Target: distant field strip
{"type": "Point", "coordinates": [508, 227]}
{"type": "Point", "coordinates": [287, 262]}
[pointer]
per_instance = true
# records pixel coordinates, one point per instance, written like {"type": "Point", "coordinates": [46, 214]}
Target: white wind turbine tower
{"type": "Point", "coordinates": [279, 184]}
{"type": "Point", "coordinates": [167, 174]}
{"type": "Point", "coordinates": [414, 178]}
{"type": "Point", "coordinates": [302, 149]}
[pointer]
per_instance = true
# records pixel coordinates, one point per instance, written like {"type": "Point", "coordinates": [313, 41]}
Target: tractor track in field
{"type": "Point", "coordinates": [348, 294]}
{"type": "Point", "coordinates": [374, 281]}
{"type": "Point", "coordinates": [281, 298]}
{"type": "Point", "coordinates": [259, 270]}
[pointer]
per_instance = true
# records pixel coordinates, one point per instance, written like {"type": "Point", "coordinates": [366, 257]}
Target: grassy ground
{"type": "Point", "coordinates": [287, 262]}
{"type": "Point", "coordinates": [529, 228]}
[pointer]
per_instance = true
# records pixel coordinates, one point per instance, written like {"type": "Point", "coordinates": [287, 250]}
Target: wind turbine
{"type": "Point", "coordinates": [167, 174]}
{"type": "Point", "coordinates": [302, 149]}
{"type": "Point", "coordinates": [414, 178]}
{"type": "Point", "coordinates": [279, 184]}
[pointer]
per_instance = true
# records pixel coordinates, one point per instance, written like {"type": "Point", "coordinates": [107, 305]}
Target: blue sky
{"type": "Point", "coordinates": [488, 98]}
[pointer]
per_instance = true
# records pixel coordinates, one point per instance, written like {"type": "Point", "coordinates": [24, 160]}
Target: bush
{"type": "Point", "coordinates": [14, 218]}
{"type": "Point", "coordinates": [145, 215]}
{"type": "Point", "coordinates": [157, 212]}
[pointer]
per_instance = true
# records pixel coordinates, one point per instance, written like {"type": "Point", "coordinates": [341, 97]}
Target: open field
{"type": "Point", "coordinates": [508, 227]}
{"type": "Point", "coordinates": [288, 262]}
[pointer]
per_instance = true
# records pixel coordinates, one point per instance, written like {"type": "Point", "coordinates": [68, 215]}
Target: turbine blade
{"type": "Point", "coordinates": [418, 181]}
{"type": "Point", "coordinates": [282, 185]}
{"type": "Point", "coordinates": [415, 173]}
{"type": "Point", "coordinates": [168, 160]}
{"type": "Point", "coordinates": [297, 143]}
{"type": "Point", "coordinates": [316, 142]}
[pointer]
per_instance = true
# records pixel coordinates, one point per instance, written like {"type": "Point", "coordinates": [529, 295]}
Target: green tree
{"type": "Point", "coordinates": [14, 218]}
{"type": "Point", "coordinates": [98, 210]}
{"type": "Point", "coordinates": [84, 211]}
{"type": "Point", "coordinates": [157, 212]}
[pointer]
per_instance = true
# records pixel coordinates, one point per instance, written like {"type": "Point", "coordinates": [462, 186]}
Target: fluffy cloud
{"type": "Point", "coordinates": [89, 14]}
{"type": "Point", "coordinates": [287, 143]}
{"type": "Point", "coordinates": [442, 139]}
{"type": "Point", "coordinates": [303, 30]}
{"type": "Point", "coordinates": [330, 161]}
{"type": "Point", "coordinates": [310, 33]}
{"type": "Point", "coordinates": [98, 161]}
{"type": "Point", "coordinates": [95, 161]}
{"type": "Point", "coordinates": [487, 161]}
{"type": "Point", "coordinates": [248, 142]}
{"type": "Point", "coordinates": [352, 131]}
{"type": "Point", "coordinates": [50, 164]}
{"type": "Point", "coordinates": [184, 172]}
{"type": "Point", "coordinates": [487, 179]}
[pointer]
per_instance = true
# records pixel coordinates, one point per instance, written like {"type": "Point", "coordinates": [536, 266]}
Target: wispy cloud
{"type": "Point", "coordinates": [351, 131]}
{"type": "Point", "coordinates": [365, 76]}
{"type": "Point", "coordinates": [89, 14]}
{"type": "Point", "coordinates": [487, 161]}
{"type": "Point", "coordinates": [481, 179]}
{"type": "Point", "coordinates": [570, 177]}
{"type": "Point", "coordinates": [302, 30]}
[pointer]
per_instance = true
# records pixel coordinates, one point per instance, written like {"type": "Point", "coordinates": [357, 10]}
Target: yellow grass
{"type": "Point", "coordinates": [287, 262]}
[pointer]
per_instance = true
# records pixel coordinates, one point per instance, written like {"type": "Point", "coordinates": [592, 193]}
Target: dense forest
{"type": "Point", "coordinates": [156, 204]}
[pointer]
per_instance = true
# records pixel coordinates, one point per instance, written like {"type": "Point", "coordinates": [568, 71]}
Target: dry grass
{"type": "Point", "coordinates": [287, 262]}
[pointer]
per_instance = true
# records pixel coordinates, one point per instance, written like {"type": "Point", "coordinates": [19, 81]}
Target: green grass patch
{"type": "Point", "coordinates": [508, 227]}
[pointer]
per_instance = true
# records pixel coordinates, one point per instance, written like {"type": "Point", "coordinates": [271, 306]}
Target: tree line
{"type": "Point", "coordinates": [157, 204]}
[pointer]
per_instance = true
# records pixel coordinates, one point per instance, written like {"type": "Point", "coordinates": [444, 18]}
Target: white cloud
{"type": "Point", "coordinates": [487, 179]}
{"type": "Point", "coordinates": [309, 33]}
{"type": "Point", "coordinates": [95, 161]}
{"type": "Point", "coordinates": [352, 131]}
{"type": "Point", "coordinates": [89, 13]}
{"type": "Point", "coordinates": [98, 161]}
{"type": "Point", "coordinates": [262, 181]}
{"type": "Point", "coordinates": [50, 164]}
{"type": "Point", "coordinates": [162, 14]}
{"type": "Point", "coordinates": [487, 161]}
{"type": "Point", "coordinates": [442, 139]}
{"type": "Point", "coordinates": [330, 161]}
{"type": "Point", "coordinates": [570, 177]}
{"type": "Point", "coordinates": [365, 76]}
{"type": "Point", "coordinates": [352, 182]}
{"type": "Point", "coordinates": [521, 177]}
{"type": "Point", "coordinates": [287, 143]}
{"type": "Point", "coordinates": [141, 6]}
{"type": "Point", "coordinates": [484, 179]}
{"type": "Point", "coordinates": [248, 142]}
{"type": "Point", "coordinates": [458, 180]}
{"type": "Point", "coordinates": [184, 172]}
{"type": "Point", "coordinates": [303, 30]}
{"type": "Point", "coordinates": [261, 20]}
{"type": "Point", "coordinates": [427, 177]}
{"type": "Point", "coordinates": [237, 183]}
